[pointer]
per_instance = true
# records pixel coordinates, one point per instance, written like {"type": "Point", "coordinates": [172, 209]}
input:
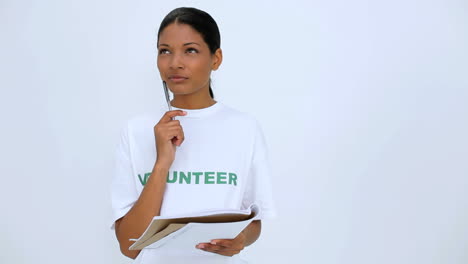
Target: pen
{"type": "Point", "coordinates": [167, 98]}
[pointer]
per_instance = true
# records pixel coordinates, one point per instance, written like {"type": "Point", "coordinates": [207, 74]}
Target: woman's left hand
{"type": "Point", "coordinates": [226, 247]}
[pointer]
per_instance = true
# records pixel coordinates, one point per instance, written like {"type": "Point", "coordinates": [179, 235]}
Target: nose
{"type": "Point", "coordinates": [176, 62]}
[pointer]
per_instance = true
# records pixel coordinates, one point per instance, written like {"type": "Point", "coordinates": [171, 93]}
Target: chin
{"type": "Point", "coordinates": [181, 89]}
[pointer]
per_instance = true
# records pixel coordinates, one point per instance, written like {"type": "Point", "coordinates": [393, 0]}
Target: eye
{"type": "Point", "coordinates": [192, 50]}
{"type": "Point", "coordinates": [163, 51]}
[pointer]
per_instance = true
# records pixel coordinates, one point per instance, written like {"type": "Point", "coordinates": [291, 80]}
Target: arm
{"type": "Point", "coordinates": [252, 232]}
{"type": "Point", "coordinates": [148, 205]}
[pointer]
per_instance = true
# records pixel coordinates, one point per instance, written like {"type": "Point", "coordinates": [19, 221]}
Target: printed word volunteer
{"type": "Point", "coordinates": [209, 177]}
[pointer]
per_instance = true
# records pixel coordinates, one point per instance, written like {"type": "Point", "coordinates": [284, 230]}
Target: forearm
{"type": "Point", "coordinates": [252, 232]}
{"type": "Point", "coordinates": [148, 205]}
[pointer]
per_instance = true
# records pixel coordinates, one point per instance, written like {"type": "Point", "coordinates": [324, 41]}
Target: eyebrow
{"type": "Point", "coordinates": [188, 43]}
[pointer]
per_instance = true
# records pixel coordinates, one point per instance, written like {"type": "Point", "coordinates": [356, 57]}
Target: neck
{"type": "Point", "coordinates": [197, 99]}
{"type": "Point", "coordinates": [192, 101]}
{"type": "Point", "coordinates": [186, 103]}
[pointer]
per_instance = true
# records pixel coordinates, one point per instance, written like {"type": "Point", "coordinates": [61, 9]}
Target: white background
{"type": "Point", "coordinates": [363, 104]}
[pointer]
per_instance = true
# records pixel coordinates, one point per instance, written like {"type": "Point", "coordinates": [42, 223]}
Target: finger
{"type": "Point", "coordinates": [208, 247]}
{"type": "Point", "coordinates": [173, 132]}
{"type": "Point", "coordinates": [178, 137]}
{"type": "Point", "coordinates": [216, 248]}
{"type": "Point", "coordinates": [173, 123]}
{"type": "Point", "coordinates": [212, 248]}
{"type": "Point", "coordinates": [223, 242]}
{"type": "Point", "coordinates": [176, 134]}
{"type": "Point", "coordinates": [170, 114]}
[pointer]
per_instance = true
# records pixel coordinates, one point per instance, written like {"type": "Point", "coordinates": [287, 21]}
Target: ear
{"type": "Point", "coordinates": [217, 59]}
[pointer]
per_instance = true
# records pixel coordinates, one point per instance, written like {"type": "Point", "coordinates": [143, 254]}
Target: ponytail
{"type": "Point", "coordinates": [211, 91]}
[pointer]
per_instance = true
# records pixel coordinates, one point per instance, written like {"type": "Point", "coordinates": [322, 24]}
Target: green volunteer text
{"type": "Point", "coordinates": [208, 177]}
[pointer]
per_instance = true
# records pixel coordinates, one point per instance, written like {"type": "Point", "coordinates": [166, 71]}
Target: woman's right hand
{"type": "Point", "coordinates": [168, 134]}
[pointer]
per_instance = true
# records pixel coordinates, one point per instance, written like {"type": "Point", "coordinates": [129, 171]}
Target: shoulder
{"type": "Point", "coordinates": [139, 123]}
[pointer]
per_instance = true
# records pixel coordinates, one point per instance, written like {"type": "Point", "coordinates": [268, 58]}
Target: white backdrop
{"type": "Point", "coordinates": [363, 104]}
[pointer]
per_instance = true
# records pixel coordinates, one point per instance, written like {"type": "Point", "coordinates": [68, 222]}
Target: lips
{"type": "Point", "coordinates": [177, 77]}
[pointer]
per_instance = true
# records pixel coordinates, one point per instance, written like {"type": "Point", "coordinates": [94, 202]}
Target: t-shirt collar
{"type": "Point", "coordinates": [201, 112]}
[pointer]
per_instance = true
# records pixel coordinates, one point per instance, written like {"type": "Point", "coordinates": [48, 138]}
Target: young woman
{"type": "Point", "coordinates": [200, 156]}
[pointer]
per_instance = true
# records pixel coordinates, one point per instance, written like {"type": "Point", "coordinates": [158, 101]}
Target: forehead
{"type": "Point", "coordinates": [177, 33]}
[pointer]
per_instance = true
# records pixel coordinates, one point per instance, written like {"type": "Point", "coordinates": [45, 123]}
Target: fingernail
{"type": "Point", "coordinates": [201, 246]}
{"type": "Point", "coordinates": [213, 242]}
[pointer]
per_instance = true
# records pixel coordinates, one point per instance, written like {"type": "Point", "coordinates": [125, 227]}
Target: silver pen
{"type": "Point", "coordinates": [168, 100]}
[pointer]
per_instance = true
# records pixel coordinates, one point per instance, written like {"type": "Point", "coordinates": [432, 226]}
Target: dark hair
{"type": "Point", "coordinates": [198, 20]}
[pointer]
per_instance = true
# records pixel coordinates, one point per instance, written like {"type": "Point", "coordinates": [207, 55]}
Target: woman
{"type": "Point", "coordinates": [221, 149]}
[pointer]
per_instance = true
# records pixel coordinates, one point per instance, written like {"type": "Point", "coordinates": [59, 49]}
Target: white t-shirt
{"type": "Point", "coordinates": [222, 164]}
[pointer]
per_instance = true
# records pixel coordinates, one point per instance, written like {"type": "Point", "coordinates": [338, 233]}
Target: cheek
{"type": "Point", "coordinates": [203, 69]}
{"type": "Point", "coordinates": [159, 63]}
{"type": "Point", "coordinates": [161, 66]}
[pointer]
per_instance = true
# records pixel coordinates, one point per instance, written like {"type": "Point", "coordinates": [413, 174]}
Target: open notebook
{"type": "Point", "coordinates": [183, 232]}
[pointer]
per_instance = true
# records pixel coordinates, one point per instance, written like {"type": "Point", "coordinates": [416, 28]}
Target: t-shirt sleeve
{"type": "Point", "coordinates": [122, 188]}
{"type": "Point", "coordinates": [259, 184]}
